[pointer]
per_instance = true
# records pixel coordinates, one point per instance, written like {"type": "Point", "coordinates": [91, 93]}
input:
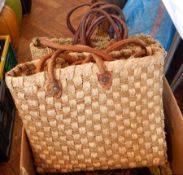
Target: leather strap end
{"type": "Point", "coordinates": [54, 89]}
{"type": "Point", "coordinates": [105, 79]}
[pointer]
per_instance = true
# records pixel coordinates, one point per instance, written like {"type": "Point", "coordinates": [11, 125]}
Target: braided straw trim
{"type": "Point", "coordinates": [37, 52]}
{"type": "Point", "coordinates": [89, 128]}
{"type": "Point", "coordinates": [98, 43]}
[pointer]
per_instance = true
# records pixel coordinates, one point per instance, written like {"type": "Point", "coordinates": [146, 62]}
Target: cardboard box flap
{"type": "Point", "coordinates": [175, 132]}
{"type": "Point", "coordinates": [26, 159]}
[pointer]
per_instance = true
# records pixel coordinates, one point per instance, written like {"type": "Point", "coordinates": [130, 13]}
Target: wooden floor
{"type": "Point", "coordinates": [46, 19]}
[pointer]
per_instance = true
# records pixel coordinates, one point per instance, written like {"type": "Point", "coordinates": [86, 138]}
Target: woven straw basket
{"type": "Point", "coordinates": [88, 127]}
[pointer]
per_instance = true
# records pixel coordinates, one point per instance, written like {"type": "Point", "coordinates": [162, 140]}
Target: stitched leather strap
{"type": "Point", "coordinates": [118, 44]}
{"type": "Point", "coordinates": [97, 14]}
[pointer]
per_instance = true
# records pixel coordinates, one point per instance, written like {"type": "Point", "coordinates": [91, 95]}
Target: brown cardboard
{"type": "Point", "coordinates": [175, 135]}
{"type": "Point", "coordinates": [26, 161]}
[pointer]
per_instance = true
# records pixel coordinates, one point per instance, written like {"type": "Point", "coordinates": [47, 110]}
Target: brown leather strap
{"type": "Point", "coordinates": [86, 60]}
{"type": "Point", "coordinates": [42, 61]}
{"type": "Point", "coordinates": [96, 15]}
{"type": "Point", "coordinates": [123, 32]}
{"type": "Point", "coordinates": [105, 77]}
{"type": "Point", "coordinates": [75, 48]}
{"type": "Point", "coordinates": [121, 25]}
{"type": "Point", "coordinates": [69, 14]}
{"type": "Point", "coordinates": [98, 56]}
{"type": "Point", "coordinates": [98, 11]}
{"type": "Point", "coordinates": [124, 42]}
{"type": "Point", "coordinates": [53, 87]}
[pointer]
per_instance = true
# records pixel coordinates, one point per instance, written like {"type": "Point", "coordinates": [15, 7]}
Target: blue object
{"type": "Point", "coordinates": [151, 18]}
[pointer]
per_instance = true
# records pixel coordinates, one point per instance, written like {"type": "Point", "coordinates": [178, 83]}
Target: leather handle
{"type": "Point", "coordinates": [97, 14]}
{"type": "Point", "coordinates": [42, 61]}
{"type": "Point", "coordinates": [70, 13]}
{"type": "Point", "coordinates": [53, 86]}
{"type": "Point", "coordinates": [93, 12]}
{"type": "Point", "coordinates": [104, 77]}
{"type": "Point", "coordinates": [124, 42]}
{"type": "Point", "coordinates": [98, 56]}
{"type": "Point", "coordinates": [75, 48]}
{"type": "Point", "coordinates": [123, 31]}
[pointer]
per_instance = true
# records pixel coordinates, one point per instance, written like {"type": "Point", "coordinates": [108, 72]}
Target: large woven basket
{"type": "Point", "coordinates": [88, 127]}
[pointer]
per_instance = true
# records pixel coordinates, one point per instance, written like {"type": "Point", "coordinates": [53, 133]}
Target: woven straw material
{"type": "Point", "coordinates": [37, 51]}
{"type": "Point", "coordinates": [88, 127]}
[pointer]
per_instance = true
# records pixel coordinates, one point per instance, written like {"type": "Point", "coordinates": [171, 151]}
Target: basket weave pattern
{"type": "Point", "coordinates": [91, 128]}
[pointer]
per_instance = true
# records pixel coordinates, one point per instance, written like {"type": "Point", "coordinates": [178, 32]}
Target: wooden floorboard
{"type": "Point", "coordinates": [48, 18]}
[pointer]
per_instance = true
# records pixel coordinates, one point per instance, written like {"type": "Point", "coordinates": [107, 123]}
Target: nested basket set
{"type": "Point", "coordinates": [93, 103]}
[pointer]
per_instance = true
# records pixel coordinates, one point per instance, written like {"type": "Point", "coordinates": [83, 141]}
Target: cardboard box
{"type": "Point", "coordinates": [174, 123]}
